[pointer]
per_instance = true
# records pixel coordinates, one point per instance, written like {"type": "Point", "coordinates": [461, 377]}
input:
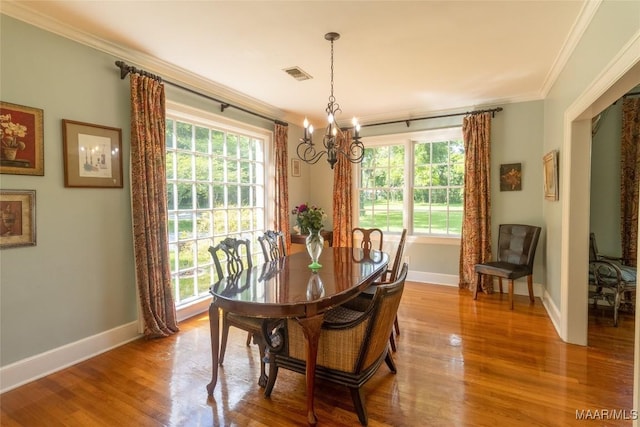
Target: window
{"type": "Point", "coordinates": [413, 181]}
{"type": "Point", "coordinates": [216, 188]}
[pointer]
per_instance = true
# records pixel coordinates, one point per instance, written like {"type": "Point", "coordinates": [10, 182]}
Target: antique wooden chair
{"type": "Point", "coordinates": [350, 352]}
{"type": "Point", "coordinates": [610, 280]}
{"type": "Point", "coordinates": [230, 253]}
{"type": "Point", "coordinates": [516, 251]}
{"type": "Point", "coordinates": [390, 275]}
{"type": "Point", "coordinates": [363, 238]}
{"type": "Point", "coordinates": [273, 245]}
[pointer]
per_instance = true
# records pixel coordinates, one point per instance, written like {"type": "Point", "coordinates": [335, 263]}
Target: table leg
{"type": "Point", "coordinates": [214, 326]}
{"type": "Point", "coordinates": [311, 329]}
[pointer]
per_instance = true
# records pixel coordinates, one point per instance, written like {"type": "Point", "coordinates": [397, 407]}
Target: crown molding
{"type": "Point", "coordinates": [27, 13]}
{"type": "Point", "coordinates": [588, 11]}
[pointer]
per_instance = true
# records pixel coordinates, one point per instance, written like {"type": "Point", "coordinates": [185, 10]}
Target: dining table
{"type": "Point", "coordinates": [288, 288]}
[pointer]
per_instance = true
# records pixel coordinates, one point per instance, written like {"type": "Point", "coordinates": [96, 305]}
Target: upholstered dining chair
{"type": "Point", "coordinates": [235, 255]}
{"type": "Point", "coordinates": [273, 245]}
{"type": "Point", "coordinates": [610, 280]}
{"type": "Point", "coordinates": [349, 352]}
{"type": "Point", "coordinates": [516, 251]}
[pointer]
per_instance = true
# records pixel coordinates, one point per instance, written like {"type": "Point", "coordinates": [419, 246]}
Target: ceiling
{"type": "Point", "coordinates": [394, 59]}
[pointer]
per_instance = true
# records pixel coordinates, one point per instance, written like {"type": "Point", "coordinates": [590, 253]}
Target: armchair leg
{"type": "Point", "coordinates": [248, 339]}
{"type": "Point", "coordinates": [530, 286]}
{"type": "Point", "coordinates": [390, 362]}
{"type": "Point", "coordinates": [396, 326]}
{"type": "Point", "coordinates": [273, 374]}
{"type": "Point", "coordinates": [510, 293]}
{"type": "Point", "coordinates": [392, 341]}
{"type": "Point", "coordinates": [478, 282]}
{"type": "Point", "coordinates": [500, 283]}
{"type": "Point", "coordinates": [358, 403]}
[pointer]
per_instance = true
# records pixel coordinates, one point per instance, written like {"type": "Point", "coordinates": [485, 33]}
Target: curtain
{"type": "Point", "coordinates": [475, 246]}
{"type": "Point", "coordinates": [149, 206]}
{"type": "Point", "coordinates": [342, 199]}
{"type": "Point", "coordinates": [630, 175]}
{"type": "Point", "coordinates": [282, 183]}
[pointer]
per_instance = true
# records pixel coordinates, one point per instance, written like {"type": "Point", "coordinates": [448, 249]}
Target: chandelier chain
{"type": "Point", "coordinates": [335, 141]}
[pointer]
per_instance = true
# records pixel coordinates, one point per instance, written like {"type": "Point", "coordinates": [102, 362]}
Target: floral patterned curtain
{"type": "Point", "coordinates": [282, 183]}
{"type": "Point", "coordinates": [342, 199]}
{"type": "Point", "coordinates": [475, 244]}
{"type": "Point", "coordinates": [630, 175]}
{"type": "Point", "coordinates": [149, 206]}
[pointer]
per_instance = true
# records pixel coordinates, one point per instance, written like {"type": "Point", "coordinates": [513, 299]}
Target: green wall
{"type": "Point", "coordinates": [78, 280]}
{"type": "Point", "coordinates": [604, 214]}
{"type": "Point", "coordinates": [614, 25]}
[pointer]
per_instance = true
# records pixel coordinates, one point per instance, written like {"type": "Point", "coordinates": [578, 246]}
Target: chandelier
{"type": "Point", "coordinates": [334, 141]}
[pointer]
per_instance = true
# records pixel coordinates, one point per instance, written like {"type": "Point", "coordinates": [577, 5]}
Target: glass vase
{"type": "Point", "coordinates": [315, 243]}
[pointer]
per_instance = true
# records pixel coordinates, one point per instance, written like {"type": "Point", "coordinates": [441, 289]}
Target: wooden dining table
{"type": "Point", "coordinates": [288, 288]}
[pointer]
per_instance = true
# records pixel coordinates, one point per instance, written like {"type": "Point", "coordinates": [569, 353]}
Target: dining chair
{"type": "Point", "coordinates": [273, 245]}
{"type": "Point", "coordinates": [363, 238]}
{"type": "Point", "coordinates": [516, 251]}
{"type": "Point", "coordinates": [389, 276]}
{"type": "Point", "coordinates": [610, 280]}
{"type": "Point", "coordinates": [350, 352]}
{"type": "Point", "coordinates": [235, 254]}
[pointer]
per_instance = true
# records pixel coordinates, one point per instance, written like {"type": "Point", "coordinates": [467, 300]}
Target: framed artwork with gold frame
{"type": "Point", "coordinates": [21, 139]}
{"type": "Point", "coordinates": [550, 163]}
{"type": "Point", "coordinates": [17, 218]}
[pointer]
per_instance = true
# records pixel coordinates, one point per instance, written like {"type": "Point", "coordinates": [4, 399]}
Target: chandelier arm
{"type": "Point", "coordinates": [309, 154]}
{"type": "Point", "coordinates": [354, 153]}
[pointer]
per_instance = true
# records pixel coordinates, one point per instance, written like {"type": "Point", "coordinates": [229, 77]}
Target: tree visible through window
{"type": "Point", "coordinates": [413, 181]}
{"type": "Point", "coordinates": [216, 188]}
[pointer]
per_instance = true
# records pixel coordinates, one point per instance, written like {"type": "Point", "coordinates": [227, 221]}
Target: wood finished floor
{"type": "Point", "coordinates": [460, 363]}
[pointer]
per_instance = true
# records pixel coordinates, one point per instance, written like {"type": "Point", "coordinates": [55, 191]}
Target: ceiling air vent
{"type": "Point", "coordinates": [297, 73]}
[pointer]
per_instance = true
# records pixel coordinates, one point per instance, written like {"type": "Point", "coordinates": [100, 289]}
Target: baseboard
{"type": "Point", "coordinates": [433, 278]}
{"type": "Point", "coordinates": [552, 311]}
{"type": "Point", "coordinates": [41, 365]}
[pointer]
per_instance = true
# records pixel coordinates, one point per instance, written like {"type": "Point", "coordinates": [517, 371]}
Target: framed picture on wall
{"type": "Point", "coordinates": [550, 164]}
{"type": "Point", "coordinates": [92, 155]}
{"type": "Point", "coordinates": [17, 218]}
{"type": "Point", "coordinates": [511, 177]}
{"type": "Point", "coordinates": [295, 167]}
{"type": "Point", "coordinates": [21, 139]}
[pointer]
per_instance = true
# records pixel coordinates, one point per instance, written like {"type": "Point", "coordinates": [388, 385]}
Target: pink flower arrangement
{"type": "Point", "coordinates": [309, 218]}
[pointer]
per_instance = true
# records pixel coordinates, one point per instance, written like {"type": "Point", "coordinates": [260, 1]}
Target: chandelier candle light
{"type": "Point", "coordinates": [335, 139]}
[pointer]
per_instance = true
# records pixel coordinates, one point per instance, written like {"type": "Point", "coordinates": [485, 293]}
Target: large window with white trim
{"type": "Point", "coordinates": [216, 188]}
{"type": "Point", "coordinates": [413, 181]}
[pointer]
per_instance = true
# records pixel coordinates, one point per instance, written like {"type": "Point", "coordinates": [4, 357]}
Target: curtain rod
{"type": "Point", "coordinates": [493, 112]}
{"type": "Point", "coordinates": [126, 69]}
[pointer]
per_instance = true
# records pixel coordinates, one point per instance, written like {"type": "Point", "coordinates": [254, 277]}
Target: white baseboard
{"type": "Point", "coordinates": [552, 311]}
{"type": "Point", "coordinates": [35, 367]}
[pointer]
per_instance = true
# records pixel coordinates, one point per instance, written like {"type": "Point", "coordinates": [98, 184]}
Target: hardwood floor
{"type": "Point", "coordinates": [460, 363]}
